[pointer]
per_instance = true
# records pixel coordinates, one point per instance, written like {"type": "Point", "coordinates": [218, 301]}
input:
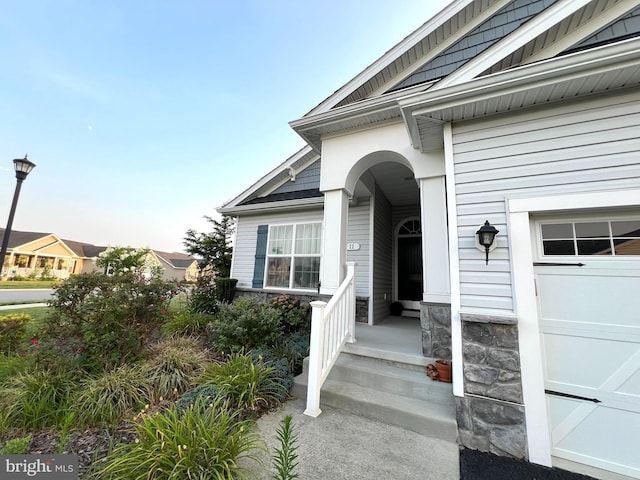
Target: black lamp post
{"type": "Point", "coordinates": [22, 167]}
{"type": "Point", "coordinates": [486, 234]}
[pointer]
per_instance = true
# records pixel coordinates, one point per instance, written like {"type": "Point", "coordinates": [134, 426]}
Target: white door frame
{"type": "Point", "coordinates": [522, 249]}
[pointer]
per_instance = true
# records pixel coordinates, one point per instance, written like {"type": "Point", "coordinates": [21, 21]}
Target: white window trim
{"type": "Point", "coordinates": [522, 242]}
{"type": "Point", "coordinates": [291, 256]}
{"type": "Point", "coordinates": [571, 218]}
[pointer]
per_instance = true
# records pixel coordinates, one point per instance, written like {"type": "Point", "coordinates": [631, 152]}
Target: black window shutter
{"type": "Point", "coordinates": [261, 253]}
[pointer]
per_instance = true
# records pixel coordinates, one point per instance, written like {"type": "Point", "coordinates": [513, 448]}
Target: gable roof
{"type": "Point", "coordinates": [468, 41]}
{"type": "Point", "coordinates": [175, 259]}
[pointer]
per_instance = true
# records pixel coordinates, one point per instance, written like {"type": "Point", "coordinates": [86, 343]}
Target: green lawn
{"type": "Point", "coordinates": [10, 284]}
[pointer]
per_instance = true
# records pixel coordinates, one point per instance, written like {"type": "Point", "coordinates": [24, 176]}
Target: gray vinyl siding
{"type": "Point", "coordinates": [244, 250]}
{"type": "Point", "coordinates": [495, 28]}
{"type": "Point", "coordinates": [308, 179]}
{"type": "Point", "coordinates": [382, 258]}
{"type": "Point", "coordinates": [358, 232]}
{"type": "Point", "coordinates": [582, 146]}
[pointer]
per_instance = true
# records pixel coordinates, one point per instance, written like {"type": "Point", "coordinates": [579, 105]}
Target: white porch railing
{"type": "Point", "coordinates": [332, 325]}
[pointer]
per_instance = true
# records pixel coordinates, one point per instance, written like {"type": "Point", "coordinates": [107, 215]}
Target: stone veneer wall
{"type": "Point", "coordinates": [490, 416]}
{"type": "Point", "coordinates": [362, 303]}
{"type": "Point", "coordinates": [435, 320]}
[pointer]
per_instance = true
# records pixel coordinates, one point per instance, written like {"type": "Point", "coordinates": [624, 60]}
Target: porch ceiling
{"type": "Point", "coordinates": [397, 183]}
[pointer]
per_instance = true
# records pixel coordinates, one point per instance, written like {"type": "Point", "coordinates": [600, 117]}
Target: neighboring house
{"type": "Point", "coordinates": [525, 113]}
{"type": "Point", "coordinates": [177, 266]}
{"type": "Point", "coordinates": [29, 254]}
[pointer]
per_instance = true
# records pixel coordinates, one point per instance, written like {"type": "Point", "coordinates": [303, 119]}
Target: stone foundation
{"type": "Point", "coordinates": [491, 415]}
{"type": "Point", "coordinates": [435, 320]}
{"type": "Point", "coordinates": [362, 303]}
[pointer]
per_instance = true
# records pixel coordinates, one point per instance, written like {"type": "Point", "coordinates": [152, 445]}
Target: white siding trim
{"type": "Point", "coordinates": [522, 247]}
{"type": "Point", "coordinates": [454, 263]}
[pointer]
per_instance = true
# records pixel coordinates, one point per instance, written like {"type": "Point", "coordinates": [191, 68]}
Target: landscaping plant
{"type": "Point", "coordinates": [203, 442]}
{"type": "Point", "coordinates": [285, 457]}
{"type": "Point", "coordinates": [102, 321]}
{"type": "Point", "coordinates": [13, 329]}
{"type": "Point", "coordinates": [249, 384]}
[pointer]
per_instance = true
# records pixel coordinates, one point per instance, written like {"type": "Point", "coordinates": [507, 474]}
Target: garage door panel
{"type": "Point", "coordinates": [589, 319]}
{"type": "Point", "coordinates": [589, 298]}
{"type": "Point", "coordinates": [601, 436]}
{"type": "Point", "coordinates": [584, 361]}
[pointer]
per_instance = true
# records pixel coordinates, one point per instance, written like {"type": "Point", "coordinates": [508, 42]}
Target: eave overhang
{"type": "Point", "coordinates": [589, 72]}
{"type": "Point", "coordinates": [283, 206]}
{"type": "Point", "coordinates": [365, 112]}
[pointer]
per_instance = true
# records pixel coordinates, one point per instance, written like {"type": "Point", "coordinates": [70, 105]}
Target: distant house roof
{"type": "Point", "coordinates": [175, 259]}
{"type": "Point", "coordinates": [17, 238]}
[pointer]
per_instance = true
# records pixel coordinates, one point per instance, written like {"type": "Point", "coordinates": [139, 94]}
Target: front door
{"type": "Point", "coordinates": [409, 271]}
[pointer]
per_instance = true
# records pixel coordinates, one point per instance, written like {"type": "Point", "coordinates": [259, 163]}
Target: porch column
{"type": "Point", "coordinates": [435, 251]}
{"type": "Point", "coordinates": [334, 240]}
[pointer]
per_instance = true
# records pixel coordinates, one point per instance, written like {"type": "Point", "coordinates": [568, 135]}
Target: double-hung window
{"type": "Point", "coordinates": [293, 256]}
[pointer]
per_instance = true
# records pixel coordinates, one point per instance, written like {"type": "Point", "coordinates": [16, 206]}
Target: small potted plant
{"type": "Point", "coordinates": [444, 370]}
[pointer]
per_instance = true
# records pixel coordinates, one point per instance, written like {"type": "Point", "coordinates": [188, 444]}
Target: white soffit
{"type": "Point", "coordinates": [584, 73]}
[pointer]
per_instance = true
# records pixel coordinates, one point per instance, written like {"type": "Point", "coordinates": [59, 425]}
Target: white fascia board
{"type": "Point", "coordinates": [266, 178]}
{"type": "Point", "coordinates": [555, 70]}
{"type": "Point", "coordinates": [390, 56]}
{"type": "Point", "coordinates": [512, 42]}
{"type": "Point", "coordinates": [284, 205]}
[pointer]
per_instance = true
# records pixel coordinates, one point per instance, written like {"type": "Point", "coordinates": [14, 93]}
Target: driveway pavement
{"type": "Point", "coordinates": [340, 446]}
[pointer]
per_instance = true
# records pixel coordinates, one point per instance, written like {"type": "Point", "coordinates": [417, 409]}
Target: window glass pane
{"type": "Point", "coordinates": [306, 272]}
{"type": "Point", "coordinates": [558, 247]}
{"type": "Point", "coordinates": [557, 230]}
{"type": "Point", "coordinates": [278, 272]}
{"type": "Point", "coordinates": [280, 240]}
{"type": "Point", "coordinates": [594, 247]}
{"type": "Point", "coordinates": [592, 229]}
{"type": "Point", "coordinates": [626, 229]}
{"type": "Point", "coordinates": [626, 246]}
{"type": "Point", "coordinates": [308, 238]}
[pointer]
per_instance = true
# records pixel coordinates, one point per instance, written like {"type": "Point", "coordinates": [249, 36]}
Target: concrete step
{"type": "Point", "coordinates": [387, 391]}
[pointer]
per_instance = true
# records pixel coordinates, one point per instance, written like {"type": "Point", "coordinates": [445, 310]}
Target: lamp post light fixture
{"type": "Point", "coordinates": [22, 167]}
{"type": "Point", "coordinates": [486, 235]}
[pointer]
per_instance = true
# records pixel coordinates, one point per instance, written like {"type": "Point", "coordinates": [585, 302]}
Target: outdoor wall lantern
{"type": "Point", "coordinates": [486, 236]}
{"type": "Point", "coordinates": [22, 166]}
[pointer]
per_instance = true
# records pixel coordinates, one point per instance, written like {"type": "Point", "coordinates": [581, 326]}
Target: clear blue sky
{"type": "Point", "coordinates": [143, 116]}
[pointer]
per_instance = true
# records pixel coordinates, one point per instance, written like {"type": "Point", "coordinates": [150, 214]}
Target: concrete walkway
{"type": "Point", "coordinates": [22, 305]}
{"type": "Point", "coordinates": [339, 446]}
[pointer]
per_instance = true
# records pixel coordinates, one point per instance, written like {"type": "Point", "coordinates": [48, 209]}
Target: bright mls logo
{"type": "Point", "coordinates": [50, 467]}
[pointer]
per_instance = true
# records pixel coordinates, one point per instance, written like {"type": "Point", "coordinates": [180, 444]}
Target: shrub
{"type": "Point", "coordinates": [294, 316]}
{"type": "Point", "coordinates": [11, 365]}
{"type": "Point", "coordinates": [204, 442]}
{"type": "Point", "coordinates": [33, 400]}
{"type": "Point", "coordinates": [225, 289]}
{"type": "Point", "coordinates": [173, 365]}
{"type": "Point", "coordinates": [13, 329]}
{"type": "Point", "coordinates": [186, 323]}
{"type": "Point", "coordinates": [16, 446]}
{"type": "Point", "coordinates": [107, 398]}
{"type": "Point", "coordinates": [280, 370]}
{"type": "Point", "coordinates": [297, 348]}
{"type": "Point", "coordinates": [204, 394]}
{"type": "Point", "coordinates": [244, 325]}
{"type": "Point", "coordinates": [202, 297]}
{"type": "Point", "coordinates": [102, 321]}
{"type": "Point", "coordinates": [250, 385]}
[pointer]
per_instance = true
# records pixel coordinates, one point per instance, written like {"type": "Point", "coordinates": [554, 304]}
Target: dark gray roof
{"type": "Point", "coordinates": [627, 26]}
{"type": "Point", "coordinates": [280, 197]}
{"type": "Point", "coordinates": [17, 238]}
{"type": "Point", "coordinates": [176, 259]}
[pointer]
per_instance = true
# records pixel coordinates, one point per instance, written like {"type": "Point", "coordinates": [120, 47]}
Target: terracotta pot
{"type": "Point", "coordinates": [444, 370]}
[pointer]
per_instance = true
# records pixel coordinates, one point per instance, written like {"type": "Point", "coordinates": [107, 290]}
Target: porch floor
{"type": "Point", "coordinates": [393, 338]}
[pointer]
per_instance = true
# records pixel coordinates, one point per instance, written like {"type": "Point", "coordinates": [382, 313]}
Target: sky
{"type": "Point", "coordinates": [143, 116]}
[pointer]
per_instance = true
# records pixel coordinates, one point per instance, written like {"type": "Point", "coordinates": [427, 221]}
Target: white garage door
{"type": "Point", "coordinates": [588, 286]}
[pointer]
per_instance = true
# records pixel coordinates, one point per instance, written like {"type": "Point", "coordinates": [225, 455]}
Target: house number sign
{"type": "Point", "coordinates": [353, 246]}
